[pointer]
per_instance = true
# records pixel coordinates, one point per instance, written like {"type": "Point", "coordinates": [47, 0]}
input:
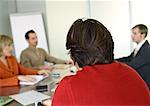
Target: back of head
{"type": "Point", "coordinates": [90, 43]}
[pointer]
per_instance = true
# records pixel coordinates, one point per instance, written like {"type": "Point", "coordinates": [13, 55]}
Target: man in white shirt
{"type": "Point", "coordinates": [140, 57]}
{"type": "Point", "coordinates": [139, 45]}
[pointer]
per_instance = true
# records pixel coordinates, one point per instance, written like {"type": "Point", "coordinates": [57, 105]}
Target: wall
{"type": "Point", "coordinates": [4, 17]}
{"type": "Point", "coordinates": [30, 6]}
{"type": "Point", "coordinates": [60, 16]}
{"type": "Point", "coordinates": [115, 16]}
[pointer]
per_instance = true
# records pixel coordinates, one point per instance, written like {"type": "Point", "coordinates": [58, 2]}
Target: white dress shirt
{"type": "Point", "coordinates": [138, 47]}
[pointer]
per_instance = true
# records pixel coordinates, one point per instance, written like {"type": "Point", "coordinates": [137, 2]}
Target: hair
{"type": "Point", "coordinates": [27, 34]}
{"type": "Point", "coordinates": [89, 42]}
{"type": "Point", "coordinates": [143, 28]}
{"type": "Point", "coordinates": [4, 41]}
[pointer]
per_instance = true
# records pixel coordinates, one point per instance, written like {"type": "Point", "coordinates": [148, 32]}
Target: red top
{"type": "Point", "coordinates": [8, 75]}
{"type": "Point", "coordinates": [108, 84]}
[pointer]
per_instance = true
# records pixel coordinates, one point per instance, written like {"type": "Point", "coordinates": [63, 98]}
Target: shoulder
{"type": "Point", "coordinates": [124, 67]}
{"type": "Point", "coordinates": [80, 77]}
{"type": "Point", "coordinates": [63, 84]}
{"type": "Point", "coordinates": [128, 71]}
{"type": "Point", "coordinates": [25, 51]}
{"type": "Point", "coordinates": [68, 80]}
{"type": "Point", "coordinates": [41, 49]}
{"type": "Point", "coordinates": [146, 45]}
{"type": "Point", "coordinates": [12, 58]}
{"type": "Point", "coordinates": [146, 49]}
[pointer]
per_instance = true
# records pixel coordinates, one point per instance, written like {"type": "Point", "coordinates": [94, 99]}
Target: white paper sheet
{"type": "Point", "coordinates": [61, 66]}
{"type": "Point", "coordinates": [29, 97]}
{"type": "Point", "coordinates": [37, 77]}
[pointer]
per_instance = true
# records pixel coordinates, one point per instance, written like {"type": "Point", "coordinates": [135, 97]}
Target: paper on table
{"type": "Point", "coordinates": [62, 66]}
{"type": "Point", "coordinates": [30, 97]}
{"type": "Point", "coordinates": [37, 77]}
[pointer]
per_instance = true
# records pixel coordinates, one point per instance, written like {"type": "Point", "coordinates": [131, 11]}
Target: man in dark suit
{"type": "Point", "coordinates": [140, 57]}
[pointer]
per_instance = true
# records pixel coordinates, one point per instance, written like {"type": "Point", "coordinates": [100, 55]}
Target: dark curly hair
{"type": "Point", "coordinates": [90, 43]}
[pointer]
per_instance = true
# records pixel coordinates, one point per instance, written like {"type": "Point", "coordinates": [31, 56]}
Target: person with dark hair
{"type": "Point", "coordinates": [34, 57]}
{"type": "Point", "coordinates": [10, 69]}
{"type": "Point", "coordinates": [139, 59]}
{"type": "Point", "coordinates": [100, 80]}
{"type": "Point", "coordinates": [27, 34]}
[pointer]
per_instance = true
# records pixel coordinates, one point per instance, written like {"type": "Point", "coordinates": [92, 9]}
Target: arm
{"type": "Point", "coordinates": [26, 71]}
{"type": "Point", "coordinates": [53, 59]}
{"type": "Point", "coordinates": [7, 78]}
{"type": "Point", "coordinates": [12, 81]}
{"type": "Point", "coordinates": [126, 59]}
{"type": "Point", "coordinates": [139, 61]}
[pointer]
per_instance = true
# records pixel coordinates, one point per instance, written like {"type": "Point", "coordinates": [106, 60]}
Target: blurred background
{"type": "Point", "coordinates": [119, 16]}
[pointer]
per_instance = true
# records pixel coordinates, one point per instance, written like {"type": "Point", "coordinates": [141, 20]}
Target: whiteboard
{"type": "Point", "coordinates": [20, 24]}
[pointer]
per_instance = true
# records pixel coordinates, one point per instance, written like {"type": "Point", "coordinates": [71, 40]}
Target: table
{"type": "Point", "coordinates": [6, 91]}
{"type": "Point", "coordinates": [51, 81]}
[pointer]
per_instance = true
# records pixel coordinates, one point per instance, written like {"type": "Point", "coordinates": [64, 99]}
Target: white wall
{"type": "Point", "coordinates": [60, 16]}
{"type": "Point", "coordinates": [115, 16]}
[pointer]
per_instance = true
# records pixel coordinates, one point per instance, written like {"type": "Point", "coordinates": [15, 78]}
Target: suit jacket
{"type": "Point", "coordinates": [8, 75]}
{"type": "Point", "coordinates": [103, 85]}
{"type": "Point", "coordinates": [141, 62]}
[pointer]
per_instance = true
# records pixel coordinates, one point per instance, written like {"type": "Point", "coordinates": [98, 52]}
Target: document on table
{"type": "Point", "coordinates": [29, 97]}
{"type": "Point", "coordinates": [37, 77]}
{"type": "Point", "coordinates": [61, 66]}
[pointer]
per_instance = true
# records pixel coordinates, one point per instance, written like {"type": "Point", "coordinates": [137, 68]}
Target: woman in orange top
{"type": "Point", "coordinates": [9, 67]}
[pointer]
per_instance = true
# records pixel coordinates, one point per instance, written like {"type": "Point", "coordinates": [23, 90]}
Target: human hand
{"type": "Point", "coordinates": [49, 68]}
{"type": "Point", "coordinates": [43, 72]}
{"type": "Point", "coordinates": [47, 103]}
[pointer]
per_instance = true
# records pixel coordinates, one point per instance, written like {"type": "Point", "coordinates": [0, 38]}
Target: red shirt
{"type": "Point", "coordinates": [107, 84]}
